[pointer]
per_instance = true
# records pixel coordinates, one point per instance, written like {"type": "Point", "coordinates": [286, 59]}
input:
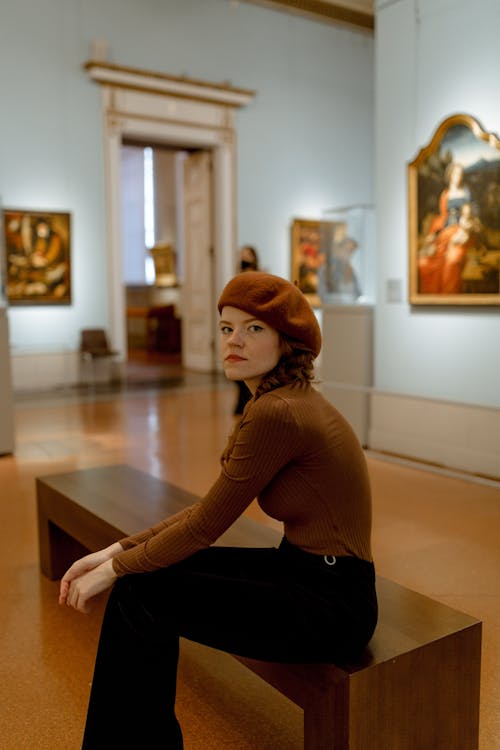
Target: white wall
{"type": "Point", "coordinates": [305, 143]}
{"type": "Point", "coordinates": [51, 157]}
{"type": "Point", "coordinates": [434, 58]}
{"type": "Point", "coordinates": [132, 207]}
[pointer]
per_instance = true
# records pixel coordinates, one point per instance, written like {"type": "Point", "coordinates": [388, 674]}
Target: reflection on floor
{"type": "Point", "coordinates": [142, 372]}
{"type": "Point", "coordinates": [437, 534]}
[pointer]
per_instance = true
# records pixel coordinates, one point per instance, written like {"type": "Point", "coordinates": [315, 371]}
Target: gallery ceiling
{"type": "Point", "coordinates": [359, 14]}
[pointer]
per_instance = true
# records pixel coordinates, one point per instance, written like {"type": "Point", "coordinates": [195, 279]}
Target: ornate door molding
{"type": "Point", "coordinates": [176, 111]}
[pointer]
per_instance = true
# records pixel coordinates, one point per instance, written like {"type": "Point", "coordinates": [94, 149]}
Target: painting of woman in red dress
{"type": "Point", "coordinates": [452, 232]}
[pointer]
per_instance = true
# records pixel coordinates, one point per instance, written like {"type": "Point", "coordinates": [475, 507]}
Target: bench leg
{"type": "Point", "coordinates": [57, 549]}
{"type": "Point", "coordinates": [425, 698]}
{"type": "Point", "coordinates": [326, 720]}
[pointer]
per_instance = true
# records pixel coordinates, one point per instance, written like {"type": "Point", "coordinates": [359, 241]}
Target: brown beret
{"type": "Point", "coordinates": [276, 302]}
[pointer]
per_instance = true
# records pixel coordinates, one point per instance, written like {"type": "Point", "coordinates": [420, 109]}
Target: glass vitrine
{"type": "Point", "coordinates": [348, 246]}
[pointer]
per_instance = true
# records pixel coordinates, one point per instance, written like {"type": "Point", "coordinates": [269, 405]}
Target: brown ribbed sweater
{"type": "Point", "coordinates": [294, 452]}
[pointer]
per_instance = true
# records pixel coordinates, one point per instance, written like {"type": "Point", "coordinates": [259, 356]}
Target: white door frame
{"type": "Point", "coordinates": [198, 313]}
{"type": "Point", "coordinates": [177, 112]}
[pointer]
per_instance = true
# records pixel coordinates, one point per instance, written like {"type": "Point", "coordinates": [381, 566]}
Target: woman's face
{"type": "Point", "coordinates": [249, 347]}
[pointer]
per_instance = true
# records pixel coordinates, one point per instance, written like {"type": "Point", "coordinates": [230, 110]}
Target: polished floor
{"type": "Point", "coordinates": [436, 533]}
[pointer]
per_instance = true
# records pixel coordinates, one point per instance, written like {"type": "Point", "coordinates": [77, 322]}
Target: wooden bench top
{"type": "Point", "coordinates": [100, 505]}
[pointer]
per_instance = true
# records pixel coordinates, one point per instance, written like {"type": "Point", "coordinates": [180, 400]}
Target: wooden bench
{"type": "Point", "coordinates": [416, 686]}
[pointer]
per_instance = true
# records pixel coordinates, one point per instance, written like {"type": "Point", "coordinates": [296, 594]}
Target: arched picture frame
{"type": "Point", "coordinates": [454, 217]}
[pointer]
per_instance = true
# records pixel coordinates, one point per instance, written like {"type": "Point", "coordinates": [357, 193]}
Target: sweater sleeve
{"type": "Point", "coordinates": [142, 536]}
{"type": "Point", "coordinates": [265, 442]}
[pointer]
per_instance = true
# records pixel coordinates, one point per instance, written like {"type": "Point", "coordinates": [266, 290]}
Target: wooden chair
{"type": "Point", "coordinates": [94, 347]}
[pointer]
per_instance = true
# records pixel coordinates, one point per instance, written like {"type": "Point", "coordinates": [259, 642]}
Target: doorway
{"type": "Point", "coordinates": [180, 113]}
{"type": "Point", "coordinates": [167, 247]}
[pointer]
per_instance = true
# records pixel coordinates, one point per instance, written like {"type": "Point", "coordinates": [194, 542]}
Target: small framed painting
{"type": "Point", "coordinates": [38, 261]}
{"type": "Point", "coordinates": [308, 256]}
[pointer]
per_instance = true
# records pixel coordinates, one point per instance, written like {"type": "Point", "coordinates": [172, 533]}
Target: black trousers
{"type": "Point", "coordinates": [272, 604]}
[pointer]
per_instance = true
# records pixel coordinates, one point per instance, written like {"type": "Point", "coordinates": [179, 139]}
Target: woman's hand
{"type": "Point", "coordinates": [88, 585]}
{"type": "Point", "coordinates": [69, 592]}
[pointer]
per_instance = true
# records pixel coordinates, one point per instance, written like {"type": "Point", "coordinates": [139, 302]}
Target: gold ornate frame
{"type": "Point", "coordinates": [454, 227]}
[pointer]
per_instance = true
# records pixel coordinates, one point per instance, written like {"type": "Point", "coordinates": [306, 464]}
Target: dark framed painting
{"type": "Point", "coordinates": [38, 257]}
{"type": "Point", "coordinates": [454, 217]}
{"type": "Point", "coordinates": [309, 256]}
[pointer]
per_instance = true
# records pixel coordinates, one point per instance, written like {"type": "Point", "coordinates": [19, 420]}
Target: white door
{"type": "Point", "coordinates": [198, 314]}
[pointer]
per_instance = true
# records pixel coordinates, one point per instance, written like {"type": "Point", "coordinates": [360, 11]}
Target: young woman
{"type": "Point", "coordinates": [311, 599]}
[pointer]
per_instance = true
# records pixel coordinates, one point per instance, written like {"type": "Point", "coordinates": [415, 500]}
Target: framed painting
{"type": "Point", "coordinates": [38, 261]}
{"type": "Point", "coordinates": [308, 256]}
{"type": "Point", "coordinates": [454, 217]}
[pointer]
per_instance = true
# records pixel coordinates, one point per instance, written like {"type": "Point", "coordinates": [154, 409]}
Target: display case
{"type": "Point", "coordinates": [347, 293]}
{"type": "Point", "coordinates": [347, 275]}
{"type": "Point", "coordinates": [346, 375]}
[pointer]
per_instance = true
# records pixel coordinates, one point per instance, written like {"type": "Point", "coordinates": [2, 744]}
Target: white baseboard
{"type": "Point", "coordinates": [35, 371]}
{"type": "Point", "coordinates": [453, 435]}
